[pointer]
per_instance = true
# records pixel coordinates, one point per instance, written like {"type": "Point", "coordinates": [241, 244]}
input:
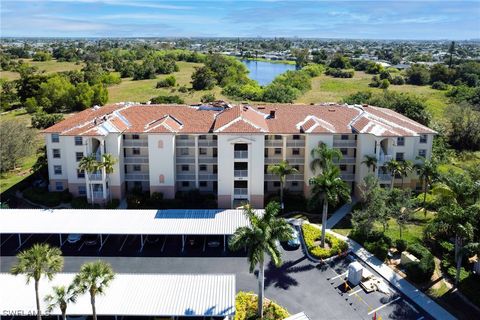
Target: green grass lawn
{"type": "Point", "coordinates": [143, 90]}
{"type": "Point", "coordinates": [9, 75]}
{"type": "Point", "coordinates": [47, 66]}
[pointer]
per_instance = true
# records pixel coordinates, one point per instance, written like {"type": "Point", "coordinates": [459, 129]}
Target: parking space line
{"type": "Point", "coordinates": [123, 243]}
{"type": "Point", "coordinates": [164, 241]}
{"type": "Point", "coordinates": [80, 248]}
{"type": "Point", "coordinates": [421, 318]}
{"type": "Point", "coordinates": [384, 305]}
{"type": "Point", "coordinates": [357, 291]}
{"type": "Point", "coordinates": [6, 240]}
{"type": "Point", "coordinates": [340, 275]}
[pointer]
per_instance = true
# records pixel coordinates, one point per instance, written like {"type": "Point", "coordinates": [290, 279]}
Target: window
{"type": "Point", "coordinates": [186, 184]}
{"type": "Point", "coordinates": [78, 156]}
{"type": "Point", "coordinates": [297, 167]}
{"type": "Point", "coordinates": [185, 168]}
{"type": "Point", "coordinates": [278, 150]}
{"type": "Point", "coordinates": [184, 151]}
{"type": "Point", "coordinates": [423, 138]}
{"type": "Point", "coordinates": [56, 153]}
{"type": "Point", "coordinates": [422, 153]}
{"type": "Point", "coordinates": [343, 167]}
{"type": "Point", "coordinates": [278, 137]}
{"type": "Point", "coordinates": [344, 151]}
{"type": "Point", "coordinates": [160, 144]}
{"type": "Point", "coordinates": [161, 178]}
{"type": "Point", "coordinates": [137, 167]}
{"type": "Point", "coordinates": [183, 137]}
{"type": "Point", "coordinates": [399, 156]}
{"type": "Point", "coordinates": [80, 174]}
{"type": "Point", "coordinates": [55, 137]}
{"type": "Point", "coordinates": [400, 141]}
{"type": "Point", "coordinates": [294, 183]}
{"type": "Point", "coordinates": [202, 151]}
{"type": "Point", "coordinates": [276, 184]}
{"type": "Point", "coordinates": [203, 167]}
{"type": "Point", "coordinates": [59, 186]}
{"type": "Point", "coordinates": [203, 137]}
{"type": "Point", "coordinates": [78, 141]}
{"type": "Point", "coordinates": [57, 169]}
{"type": "Point", "coordinates": [137, 185]}
{"type": "Point", "coordinates": [136, 151]}
{"type": "Point", "coordinates": [345, 137]}
{"type": "Point", "coordinates": [295, 151]}
{"type": "Point", "coordinates": [82, 190]}
{"type": "Point", "coordinates": [296, 137]}
{"type": "Point", "coordinates": [203, 184]}
{"type": "Point", "coordinates": [135, 136]}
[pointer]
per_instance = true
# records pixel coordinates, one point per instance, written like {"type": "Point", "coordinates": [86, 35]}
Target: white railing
{"type": "Point", "coordinates": [240, 173]}
{"type": "Point", "coordinates": [272, 160]}
{"type": "Point", "coordinates": [207, 143]}
{"type": "Point", "coordinates": [133, 159]}
{"type": "Point", "coordinates": [271, 177]}
{"type": "Point", "coordinates": [207, 159]}
{"type": "Point", "coordinates": [296, 143]}
{"type": "Point", "coordinates": [384, 177]}
{"type": "Point", "coordinates": [344, 143]}
{"type": "Point", "coordinates": [207, 177]}
{"type": "Point", "coordinates": [243, 154]}
{"type": "Point", "coordinates": [135, 143]}
{"type": "Point", "coordinates": [240, 191]}
{"type": "Point", "coordinates": [273, 143]}
{"type": "Point", "coordinates": [296, 159]}
{"type": "Point", "coordinates": [185, 143]}
{"type": "Point", "coordinates": [98, 194]}
{"type": "Point", "coordinates": [347, 176]}
{"type": "Point", "coordinates": [185, 159]}
{"type": "Point", "coordinates": [345, 160]}
{"type": "Point", "coordinates": [95, 177]}
{"type": "Point", "coordinates": [383, 158]}
{"type": "Point", "coordinates": [185, 177]}
{"type": "Point", "coordinates": [137, 177]}
{"type": "Point", "coordinates": [295, 177]}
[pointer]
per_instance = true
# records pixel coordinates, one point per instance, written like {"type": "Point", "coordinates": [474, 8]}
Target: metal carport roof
{"type": "Point", "coordinates": [132, 295]}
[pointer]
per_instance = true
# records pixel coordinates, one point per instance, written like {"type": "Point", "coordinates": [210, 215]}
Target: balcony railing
{"type": "Point", "coordinates": [240, 173]}
{"type": "Point", "coordinates": [95, 177]}
{"type": "Point", "coordinates": [98, 194]}
{"type": "Point", "coordinates": [207, 159]}
{"type": "Point", "coordinates": [295, 177]}
{"type": "Point", "coordinates": [274, 143]}
{"type": "Point", "coordinates": [185, 159]}
{"type": "Point", "coordinates": [345, 160]}
{"type": "Point", "coordinates": [344, 143]}
{"type": "Point", "coordinates": [207, 177]}
{"type": "Point", "coordinates": [383, 158]}
{"type": "Point", "coordinates": [296, 159]}
{"type": "Point", "coordinates": [207, 143]}
{"type": "Point", "coordinates": [272, 160]}
{"type": "Point", "coordinates": [185, 143]}
{"type": "Point", "coordinates": [135, 143]}
{"type": "Point", "coordinates": [347, 176]}
{"type": "Point", "coordinates": [243, 154]}
{"type": "Point", "coordinates": [240, 191]}
{"type": "Point", "coordinates": [295, 143]}
{"type": "Point", "coordinates": [135, 160]}
{"type": "Point", "coordinates": [384, 177]}
{"type": "Point", "coordinates": [185, 177]}
{"type": "Point", "coordinates": [137, 177]}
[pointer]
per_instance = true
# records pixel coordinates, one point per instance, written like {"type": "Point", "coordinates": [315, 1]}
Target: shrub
{"type": "Point", "coordinates": [401, 245]}
{"type": "Point", "coordinates": [378, 248]}
{"type": "Point", "coordinates": [313, 70]}
{"type": "Point", "coordinates": [208, 97]}
{"type": "Point", "coordinates": [339, 73]}
{"type": "Point", "coordinates": [312, 234]}
{"type": "Point", "coordinates": [80, 203]}
{"type": "Point", "coordinates": [43, 197]}
{"type": "Point", "coordinates": [42, 120]}
{"type": "Point", "coordinates": [276, 92]}
{"type": "Point", "coordinates": [113, 204]}
{"type": "Point", "coordinates": [439, 85]}
{"type": "Point", "coordinates": [246, 308]}
{"type": "Point", "coordinates": [169, 81]}
{"type": "Point", "coordinates": [423, 269]}
{"type": "Point", "coordinates": [183, 89]}
{"type": "Point", "coordinates": [167, 100]}
{"type": "Point", "coordinates": [398, 80]}
{"type": "Point", "coordinates": [384, 84]}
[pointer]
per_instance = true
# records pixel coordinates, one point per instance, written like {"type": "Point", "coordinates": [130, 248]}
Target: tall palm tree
{"type": "Point", "coordinates": [89, 164]}
{"type": "Point", "coordinates": [108, 164]}
{"type": "Point", "coordinates": [406, 166]}
{"type": "Point", "coordinates": [323, 157]}
{"type": "Point", "coordinates": [260, 238]}
{"type": "Point", "coordinates": [330, 188]}
{"type": "Point", "coordinates": [426, 170]}
{"type": "Point", "coordinates": [394, 167]}
{"type": "Point", "coordinates": [40, 260]}
{"type": "Point", "coordinates": [282, 170]}
{"type": "Point", "coordinates": [370, 161]}
{"type": "Point", "coordinates": [60, 298]}
{"type": "Point", "coordinates": [94, 277]}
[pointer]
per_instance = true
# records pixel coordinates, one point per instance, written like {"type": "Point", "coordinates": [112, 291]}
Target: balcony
{"type": "Point", "coordinates": [273, 160]}
{"type": "Point", "coordinates": [240, 191]}
{"type": "Point", "coordinates": [240, 173]}
{"type": "Point", "coordinates": [384, 177]}
{"type": "Point", "coordinates": [137, 177]}
{"type": "Point", "coordinates": [135, 143]}
{"type": "Point", "coordinates": [344, 143]}
{"type": "Point", "coordinates": [185, 160]}
{"type": "Point", "coordinates": [135, 160]}
{"type": "Point", "coordinates": [295, 143]}
{"type": "Point", "coordinates": [185, 143]}
{"type": "Point", "coordinates": [185, 177]}
{"type": "Point", "coordinates": [297, 159]}
{"type": "Point", "coordinates": [95, 177]}
{"type": "Point", "coordinates": [345, 160]}
{"type": "Point", "coordinates": [383, 158]}
{"type": "Point", "coordinates": [274, 143]}
{"type": "Point", "coordinates": [347, 176]}
{"type": "Point", "coordinates": [207, 159]}
{"type": "Point", "coordinates": [295, 177]}
{"type": "Point", "coordinates": [207, 177]}
{"type": "Point", "coordinates": [243, 154]}
{"type": "Point", "coordinates": [97, 194]}
{"type": "Point", "coordinates": [207, 143]}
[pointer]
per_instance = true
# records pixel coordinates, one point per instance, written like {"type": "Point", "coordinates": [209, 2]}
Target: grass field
{"type": "Point", "coordinates": [143, 90]}
{"type": "Point", "coordinates": [47, 66]}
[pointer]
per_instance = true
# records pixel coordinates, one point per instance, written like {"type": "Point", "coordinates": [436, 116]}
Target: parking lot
{"type": "Point", "coordinates": [299, 284]}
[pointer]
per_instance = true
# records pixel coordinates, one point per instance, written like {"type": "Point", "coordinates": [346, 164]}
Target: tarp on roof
{"type": "Point", "coordinates": [210, 295]}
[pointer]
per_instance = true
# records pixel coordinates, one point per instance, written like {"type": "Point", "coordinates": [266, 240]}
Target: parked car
{"type": "Point", "coordinates": [74, 238]}
{"type": "Point", "coordinates": [293, 243]}
{"type": "Point", "coordinates": [91, 239]}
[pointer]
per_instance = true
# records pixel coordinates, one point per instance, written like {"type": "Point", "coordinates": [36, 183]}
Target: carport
{"type": "Point", "coordinates": [146, 295]}
{"type": "Point", "coordinates": [176, 222]}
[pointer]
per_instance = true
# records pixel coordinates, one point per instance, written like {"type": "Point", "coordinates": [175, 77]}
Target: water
{"type": "Point", "coordinates": [264, 72]}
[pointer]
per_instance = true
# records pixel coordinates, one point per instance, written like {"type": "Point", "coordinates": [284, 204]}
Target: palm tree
{"type": "Point", "coordinates": [40, 260]}
{"type": "Point", "coordinates": [470, 249]}
{"type": "Point", "coordinates": [394, 167]}
{"type": "Point", "coordinates": [330, 188]}
{"type": "Point", "coordinates": [426, 170]}
{"type": "Point", "coordinates": [370, 161]}
{"type": "Point", "coordinates": [60, 298]}
{"type": "Point", "coordinates": [94, 277]}
{"type": "Point", "coordinates": [108, 163]}
{"type": "Point", "coordinates": [260, 237]}
{"type": "Point", "coordinates": [323, 157]}
{"type": "Point", "coordinates": [89, 164]}
{"type": "Point", "coordinates": [282, 170]}
{"type": "Point", "coordinates": [406, 166]}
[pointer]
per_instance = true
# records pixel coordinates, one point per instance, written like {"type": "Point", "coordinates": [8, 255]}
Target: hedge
{"type": "Point", "coordinates": [43, 197]}
{"type": "Point", "coordinates": [311, 234]}
{"type": "Point", "coordinates": [422, 270]}
{"type": "Point", "coordinates": [246, 308]}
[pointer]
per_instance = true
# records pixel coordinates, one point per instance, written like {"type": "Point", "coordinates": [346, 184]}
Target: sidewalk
{"type": "Point", "coordinates": [340, 213]}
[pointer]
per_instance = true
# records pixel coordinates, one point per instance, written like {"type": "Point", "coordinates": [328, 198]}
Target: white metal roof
{"type": "Point", "coordinates": [298, 316]}
{"type": "Point", "coordinates": [89, 221]}
{"type": "Point", "coordinates": [132, 295]}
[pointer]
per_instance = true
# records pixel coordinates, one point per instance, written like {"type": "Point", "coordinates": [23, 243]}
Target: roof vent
{"type": "Point", "coordinates": [96, 107]}
{"type": "Point", "coordinates": [272, 114]}
{"type": "Point", "coordinates": [365, 105]}
{"type": "Point", "coordinates": [261, 108]}
{"type": "Point", "coordinates": [245, 108]}
{"type": "Point", "coordinates": [331, 110]}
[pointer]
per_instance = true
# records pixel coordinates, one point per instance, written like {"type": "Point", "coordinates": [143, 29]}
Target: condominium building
{"type": "Point", "coordinates": [225, 150]}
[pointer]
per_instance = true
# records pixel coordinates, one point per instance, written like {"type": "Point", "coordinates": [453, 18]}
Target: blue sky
{"type": "Point", "coordinates": [386, 19]}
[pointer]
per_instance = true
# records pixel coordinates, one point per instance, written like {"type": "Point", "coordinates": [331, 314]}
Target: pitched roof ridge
{"type": "Point", "coordinates": [161, 122]}
{"type": "Point", "coordinates": [319, 122]}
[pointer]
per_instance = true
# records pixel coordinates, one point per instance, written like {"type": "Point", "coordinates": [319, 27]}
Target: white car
{"type": "Point", "coordinates": [74, 238]}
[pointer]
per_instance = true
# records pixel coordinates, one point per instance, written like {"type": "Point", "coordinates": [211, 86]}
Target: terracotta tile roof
{"type": "Point", "coordinates": [287, 119]}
